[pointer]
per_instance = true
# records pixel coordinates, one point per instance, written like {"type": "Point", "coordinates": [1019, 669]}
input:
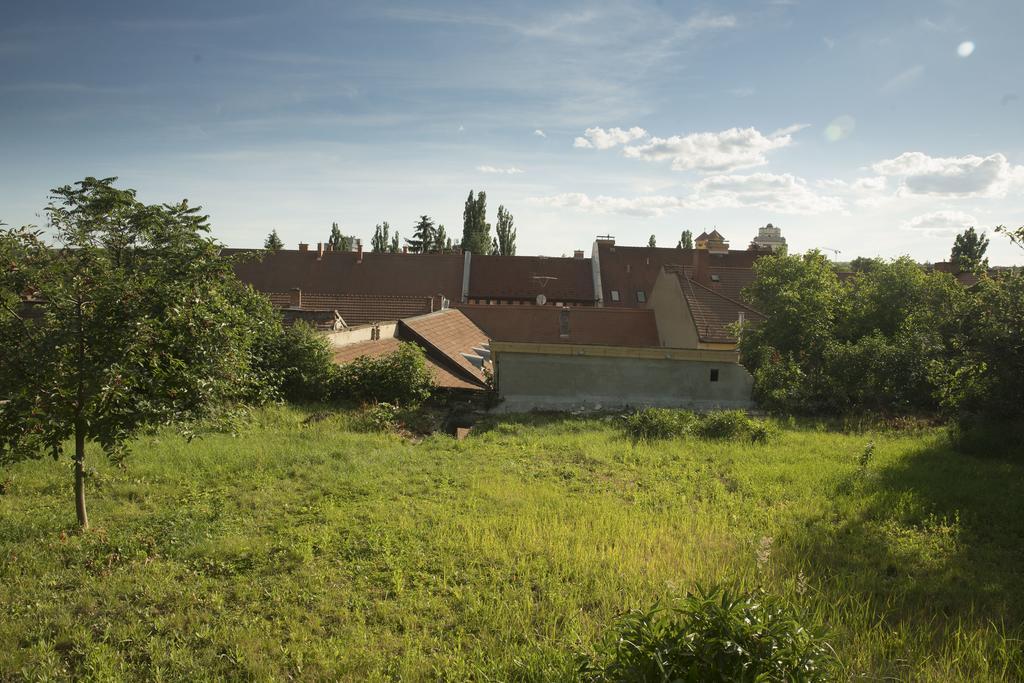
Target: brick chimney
{"type": "Point", "coordinates": [578, 253]}
{"type": "Point", "coordinates": [359, 251]}
{"type": "Point", "coordinates": [295, 300]}
{"type": "Point", "coordinates": [303, 246]}
{"type": "Point", "coordinates": [319, 250]}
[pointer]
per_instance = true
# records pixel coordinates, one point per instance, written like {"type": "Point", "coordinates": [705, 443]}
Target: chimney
{"type": "Point", "coordinates": [359, 251]}
{"type": "Point", "coordinates": [578, 253]}
{"type": "Point", "coordinates": [303, 246]}
{"type": "Point", "coordinates": [405, 250]}
{"type": "Point", "coordinates": [319, 250]}
{"type": "Point", "coordinates": [606, 239]}
{"type": "Point", "coordinates": [295, 300]}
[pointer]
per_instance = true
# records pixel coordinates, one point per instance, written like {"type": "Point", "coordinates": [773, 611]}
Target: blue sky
{"type": "Point", "coordinates": [873, 128]}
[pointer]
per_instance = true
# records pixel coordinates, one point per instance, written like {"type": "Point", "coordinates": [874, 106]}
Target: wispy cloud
{"type": "Point", "coordinates": [941, 222]}
{"type": "Point", "coordinates": [188, 24]}
{"type": "Point", "coordinates": [511, 170]}
{"type": "Point", "coordinates": [539, 133]}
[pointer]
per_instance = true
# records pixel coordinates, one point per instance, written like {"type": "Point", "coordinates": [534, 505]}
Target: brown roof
{"type": "Point", "coordinates": [359, 309]}
{"type": "Point", "coordinates": [524, 277]}
{"type": "Point", "coordinates": [715, 304]}
{"type": "Point", "coordinates": [450, 334]}
{"type": "Point", "coordinates": [340, 272]}
{"type": "Point", "coordinates": [586, 325]}
{"type": "Point", "coordinates": [443, 377]}
{"type": "Point", "coordinates": [628, 270]}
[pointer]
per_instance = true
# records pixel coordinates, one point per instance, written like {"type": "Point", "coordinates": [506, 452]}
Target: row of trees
{"type": "Point", "coordinates": [132, 319]}
{"type": "Point", "coordinates": [891, 338]}
{"type": "Point", "coordinates": [430, 238]}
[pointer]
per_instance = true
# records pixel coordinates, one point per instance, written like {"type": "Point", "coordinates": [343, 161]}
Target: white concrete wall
{"type": "Point", "coordinates": [358, 334]}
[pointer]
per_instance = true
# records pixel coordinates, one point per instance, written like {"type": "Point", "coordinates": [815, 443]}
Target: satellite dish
{"type": "Point", "coordinates": [541, 299]}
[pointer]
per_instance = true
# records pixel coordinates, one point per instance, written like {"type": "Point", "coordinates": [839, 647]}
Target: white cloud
{"type": "Point", "coordinates": [782, 193]}
{"type": "Point", "coordinates": [965, 49]}
{"type": "Point", "coordinates": [511, 170]}
{"type": "Point", "coordinates": [966, 176]}
{"type": "Point", "coordinates": [539, 133]}
{"type": "Point", "coordinates": [727, 150]}
{"type": "Point", "coordinates": [941, 222]}
{"type": "Point", "coordinates": [903, 79]}
{"type": "Point", "coordinates": [777, 193]}
{"type": "Point", "coordinates": [606, 139]}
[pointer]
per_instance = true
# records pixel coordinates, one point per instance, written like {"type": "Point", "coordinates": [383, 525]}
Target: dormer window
{"type": "Point", "coordinates": [615, 295]}
{"type": "Point", "coordinates": [641, 296]}
{"type": "Point", "coordinates": [715, 277]}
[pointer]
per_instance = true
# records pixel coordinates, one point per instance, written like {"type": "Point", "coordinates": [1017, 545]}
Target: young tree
{"type": "Point", "coordinates": [476, 231]}
{"type": "Point", "coordinates": [423, 236]}
{"type": "Point", "coordinates": [339, 242]}
{"type": "Point", "coordinates": [505, 243]}
{"type": "Point", "coordinates": [139, 322]}
{"type": "Point", "coordinates": [968, 253]}
{"type": "Point", "coordinates": [273, 242]}
{"type": "Point", "coordinates": [685, 240]}
{"type": "Point", "coordinates": [652, 241]}
{"type": "Point", "coordinates": [380, 242]}
{"type": "Point", "coordinates": [442, 243]}
{"type": "Point", "coordinates": [393, 247]}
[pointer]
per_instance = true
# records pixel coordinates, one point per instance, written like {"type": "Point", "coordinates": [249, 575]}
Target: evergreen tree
{"type": "Point", "coordinates": [476, 231]}
{"type": "Point", "coordinates": [340, 242]}
{"type": "Point", "coordinates": [423, 236]}
{"type": "Point", "coordinates": [393, 247]}
{"type": "Point", "coordinates": [380, 243]}
{"type": "Point", "coordinates": [652, 241]}
{"type": "Point", "coordinates": [968, 253]}
{"type": "Point", "coordinates": [273, 242]}
{"type": "Point", "coordinates": [685, 240]}
{"type": "Point", "coordinates": [505, 243]}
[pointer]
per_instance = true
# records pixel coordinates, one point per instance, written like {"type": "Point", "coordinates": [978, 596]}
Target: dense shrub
{"type": "Point", "coordinates": [719, 634]}
{"type": "Point", "coordinates": [665, 423]}
{"type": "Point", "coordinates": [298, 362]}
{"type": "Point", "coordinates": [987, 436]}
{"type": "Point", "coordinates": [401, 377]}
{"type": "Point", "coordinates": [379, 417]}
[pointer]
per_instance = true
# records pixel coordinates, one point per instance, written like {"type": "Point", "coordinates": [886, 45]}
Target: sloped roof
{"type": "Point", "coordinates": [443, 377]}
{"type": "Point", "coordinates": [629, 269]}
{"type": "Point", "coordinates": [359, 309]}
{"type": "Point", "coordinates": [340, 272]}
{"type": "Point", "coordinates": [524, 277]}
{"type": "Point", "coordinates": [586, 325]}
{"type": "Point", "coordinates": [716, 305]}
{"type": "Point", "coordinates": [450, 334]}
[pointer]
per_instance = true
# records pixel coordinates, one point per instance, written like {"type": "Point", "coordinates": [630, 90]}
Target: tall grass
{"type": "Point", "coordinates": [321, 551]}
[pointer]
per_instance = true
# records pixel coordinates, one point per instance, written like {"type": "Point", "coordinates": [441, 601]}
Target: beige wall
{"type": "Point", "coordinates": [675, 324]}
{"type": "Point", "coordinates": [358, 334]}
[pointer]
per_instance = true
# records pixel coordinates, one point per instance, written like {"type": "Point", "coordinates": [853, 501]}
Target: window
{"type": "Point", "coordinates": [563, 323]}
{"type": "Point", "coordinates": [715, 278]}
{"type": "Point", "coordinates": [714, 374]}
{"type": "Point", "coordinates": [615, 295]}
{"type": "Point", "coordinates": [641, 297]}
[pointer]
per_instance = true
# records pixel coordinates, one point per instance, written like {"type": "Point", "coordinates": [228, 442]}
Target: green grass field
{"type": "Point", "coordinates": [318, 552]}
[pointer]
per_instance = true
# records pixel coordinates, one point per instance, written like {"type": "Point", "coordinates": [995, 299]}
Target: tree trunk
{"type": "Point", "coordinates": [83, 517]}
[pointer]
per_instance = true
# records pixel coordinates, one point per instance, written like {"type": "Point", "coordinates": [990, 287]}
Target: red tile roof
{"type": "Point", "coordinates": [524, 277]}
{"type": "Point", "coordinates": [340, 272]}
{"type": "Point", "coordinates": [450, 334]}
{"type": "Point", "coordinates": [715, 304]}
{"type": "Point", "coordinates": [443, 377]}
{"type": "Point", "coordinates": [360, 309]}
{"type": "Point", "coordinates": [586, 324]}
{"type": "Point", "coordinates": [627, 270]}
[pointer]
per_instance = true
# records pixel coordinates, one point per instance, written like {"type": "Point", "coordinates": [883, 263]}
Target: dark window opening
{"type": "Point", "coordinates": [714, 374]}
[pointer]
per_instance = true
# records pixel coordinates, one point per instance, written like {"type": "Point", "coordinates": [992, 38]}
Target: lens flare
{"type": "Point", "coordinates": [840, 127]}
{"type": "Point", "coordinates": [965, 49]}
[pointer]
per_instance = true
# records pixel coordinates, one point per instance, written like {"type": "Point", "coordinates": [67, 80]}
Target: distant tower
{"type": "Point", "coordinates": [769, 237]}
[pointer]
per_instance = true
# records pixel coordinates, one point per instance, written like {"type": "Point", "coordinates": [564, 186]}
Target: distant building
{"type": "Point", "coordinates": [712, 242]}
{"type": "Point", "coordinates": [769, 237]}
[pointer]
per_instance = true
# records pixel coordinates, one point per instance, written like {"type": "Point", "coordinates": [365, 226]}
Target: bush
{"type": "Point", "coordinates": [719, 634]}
{"type": "Point", "coordinates": [380, 417]}
{"type": "Point", "coordinates": [297, 361]}
{"type": "Point", "coordinates": [651, 424]}
{"type": "Point", "coordinates": [401, 377]}
{"type": "Point", "coordinates": [657, 423]}
{"type": "Point", "coordinates": [987, 436]}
